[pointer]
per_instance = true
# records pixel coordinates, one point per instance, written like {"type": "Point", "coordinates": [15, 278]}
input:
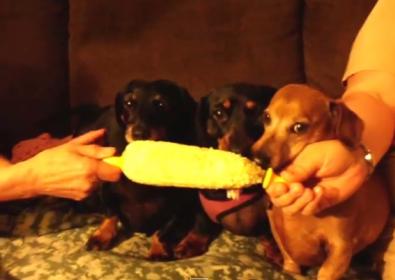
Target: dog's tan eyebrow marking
{"type": "Point", "coordinates": [157, 97]}
{"type": "Point", "coordinates": [226, 103]}
{"type": "Point", "coordinates": [133, 96]}
{"type": "Point", "coordinates": [250, 104]}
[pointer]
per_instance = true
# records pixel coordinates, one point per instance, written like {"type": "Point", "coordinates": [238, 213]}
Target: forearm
{"type": "Point", "coordinates": [370, 94]}
{"type": "Point", "coordinates": [370, 77]}
{"type": "Point", "coordinates": [15, 181]}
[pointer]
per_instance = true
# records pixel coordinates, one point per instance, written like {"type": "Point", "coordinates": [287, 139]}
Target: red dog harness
{"type": "Point", "coordinates": [217, 205]}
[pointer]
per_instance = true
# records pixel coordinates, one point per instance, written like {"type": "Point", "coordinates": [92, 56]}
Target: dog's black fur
{"type": "Point", "coordinates": [154, 110]}
{"type": "Point", "coordinates": [229, 118]}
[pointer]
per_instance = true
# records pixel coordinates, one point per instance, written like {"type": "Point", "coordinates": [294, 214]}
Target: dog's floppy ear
{"type": "Point", "coordinates": [267, 93]}
{"type": "Point", "coordinates": [189, 104]}
{"type": "Point", "coordinates": [202, 112]}
{"type": "Point", "coordinates": [119, 108]}
{"type": "Point", "coordinates": [202, 119]}
{"type": "Point", "coordinates": [346, 125]}
{"type": "Point", "coordinates": [188, 109]}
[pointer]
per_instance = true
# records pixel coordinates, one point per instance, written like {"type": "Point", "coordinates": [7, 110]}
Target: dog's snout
{"type": "Point", "coordinates": [262, 159]}
{"type": "Point", "coordinates": [140, 133]}
{"type": "Point", "coordinates": [236, 149]}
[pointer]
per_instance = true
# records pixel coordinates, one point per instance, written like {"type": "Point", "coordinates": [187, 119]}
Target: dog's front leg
{"type": "Point", "coordinates": [337, 261]}
{"type": "Point", "coordinates": [289, 265]}
{"type": "Point", "coordinates": [103, 237]}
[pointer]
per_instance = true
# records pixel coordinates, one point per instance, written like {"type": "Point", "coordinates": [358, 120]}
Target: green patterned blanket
{"type": "Point", "coordinates": [47, 241]}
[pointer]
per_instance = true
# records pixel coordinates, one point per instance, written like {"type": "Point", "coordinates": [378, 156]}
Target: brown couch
{"type": "Point", "coordinates": [57, 54]}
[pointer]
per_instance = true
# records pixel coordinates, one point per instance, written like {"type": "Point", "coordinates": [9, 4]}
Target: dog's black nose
{"type": "Point", "coordinates": [236, 150]}
{"type": "Point", "coordinates": [140, 133]}
{"type": "Point", "coordinates": [263, 160]}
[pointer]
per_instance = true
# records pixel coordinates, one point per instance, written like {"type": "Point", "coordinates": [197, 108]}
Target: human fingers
{"type": "Point", "coordinates": [330, 196]}
{"type": "Point", "coordinates": [277, 189]}
{"type": "Point", "coordinates": [94, 151]}
{"type": "Point", "coordinates": [313, 206]}
{"type": "Point", "coordinates": [106, 172]}
{"type": "Point", "coordinates": [295, 191]}
{"type": "Point", "coordinates": [89, 137]}
{"type": "Point", "coordinates": [82, 187]}
{"type": "Point", "coordinates": [74, 195]}
{"type": "Point", "coordinates": [300, 202]}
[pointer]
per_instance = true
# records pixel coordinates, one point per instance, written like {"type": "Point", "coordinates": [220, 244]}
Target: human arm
{"type": "Point", "coordinates": [370, 78]}
{"type": "Point", "coordinates": [70, 170]}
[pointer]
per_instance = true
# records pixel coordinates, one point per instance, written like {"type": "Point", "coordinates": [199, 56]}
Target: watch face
{"type": "Point", "coordinates": [368, 157]}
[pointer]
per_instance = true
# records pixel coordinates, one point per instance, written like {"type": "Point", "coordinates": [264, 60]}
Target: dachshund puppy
{"type": "Point", "coordinates": [151, 110]}
{"type": "Point", "coordinates": [229, 119]}
{"type": "Point", "coordinates": [297, 116]}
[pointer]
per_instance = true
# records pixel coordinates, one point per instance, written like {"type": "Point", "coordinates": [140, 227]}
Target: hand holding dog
{"type": "Point", "coordinates": [331, 173]}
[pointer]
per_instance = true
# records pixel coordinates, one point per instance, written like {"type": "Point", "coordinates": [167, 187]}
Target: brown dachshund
{"type": "Point", "coordinates": [297, 116]}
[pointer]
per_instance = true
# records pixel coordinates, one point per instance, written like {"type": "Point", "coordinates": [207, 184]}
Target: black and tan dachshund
{"type": "Point", "coordinates": [229, 118]}
{"type": "Point", "coordinates": [152, 110]}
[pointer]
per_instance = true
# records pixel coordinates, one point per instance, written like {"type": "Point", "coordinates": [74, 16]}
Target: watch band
{"type": "Point", "coordinates": [368, 157]}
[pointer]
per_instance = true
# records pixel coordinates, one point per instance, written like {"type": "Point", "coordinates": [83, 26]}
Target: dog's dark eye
{"type": "Point", "coordinates": [299, 128]}
{"type": "Point", "coordinates": [220, 115]}
{"type": "Point", "coordinates": [159, 105]}
{"type": "Point", "coordinates": [130, 103]}
{"type": "Point", "coordinates": [266, 118]}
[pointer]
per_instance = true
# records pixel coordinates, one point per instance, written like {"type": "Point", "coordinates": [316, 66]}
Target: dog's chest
{"type": "Point", "coordinates": [302, 241]}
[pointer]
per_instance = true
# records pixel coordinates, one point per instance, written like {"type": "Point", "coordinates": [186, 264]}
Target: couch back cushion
{"type": "Point", "coordinates": [329, 29]}
{"type": "Point", "coordinates": [33, 65]}
{"type": "Point", "coordinates": [200, 44]}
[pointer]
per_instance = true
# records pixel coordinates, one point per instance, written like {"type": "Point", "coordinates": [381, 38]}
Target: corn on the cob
{"type": "Point", "coordinates": [162, 163]}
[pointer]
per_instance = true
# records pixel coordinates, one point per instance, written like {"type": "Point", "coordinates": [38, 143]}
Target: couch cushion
{"type": "Point", "coordinates": [33, 64]}
{"type": "Point", "coordinates": [200, 44]}
{"type": "Point", "coordinates": [329, 30]}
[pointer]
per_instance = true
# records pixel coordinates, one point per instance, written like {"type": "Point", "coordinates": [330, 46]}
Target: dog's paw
{"type": "Point", "coordinates": [104, 237]}
{"type": "Point", "coordinates": [159, 251]}
{"type": "Point", "coordinates": [192, 245]}
{"type": "Point", "coordinates": [272, 252]}
{"type": "Point", "coordinates": [98, 243]}
{"type": "Point", "coordinates": [291, 266]}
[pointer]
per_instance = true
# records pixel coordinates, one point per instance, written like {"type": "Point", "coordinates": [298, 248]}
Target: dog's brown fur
{"type": "Point", "coordinates": [333, 236]}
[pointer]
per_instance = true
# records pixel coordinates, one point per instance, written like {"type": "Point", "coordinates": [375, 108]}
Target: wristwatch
{"type": "Point", "coordinates": [368, 157]}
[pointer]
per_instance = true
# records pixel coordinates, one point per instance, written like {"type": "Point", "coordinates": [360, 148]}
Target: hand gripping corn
{"type": "Point", "coordinates": [161, 163]}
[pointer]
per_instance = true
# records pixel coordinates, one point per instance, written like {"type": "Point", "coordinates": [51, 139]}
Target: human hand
{"type": "Point", "coordinates": [323, 174]}
{"type": "Point", "coordinates": [72, 170]}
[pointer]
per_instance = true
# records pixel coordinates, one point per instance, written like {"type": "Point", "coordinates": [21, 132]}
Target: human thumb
{"type": "Point", "coordinates": [303, 167]}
